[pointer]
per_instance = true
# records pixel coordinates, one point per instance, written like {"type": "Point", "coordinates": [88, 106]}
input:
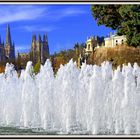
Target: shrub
{"type": "Point", "coordinates": [117, 55]}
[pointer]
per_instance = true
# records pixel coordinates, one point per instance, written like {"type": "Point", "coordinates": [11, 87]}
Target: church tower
{"type": "Point", "coordinates": [9, 47]}
{"type": "Point", "coordinates": [34, 49]}
{"type": "Point", "coordinates": [39, 49]}
{"type": "Point", "coordinates": [44, 49]}
{"type": "Point", "coordinates": [2, 52]}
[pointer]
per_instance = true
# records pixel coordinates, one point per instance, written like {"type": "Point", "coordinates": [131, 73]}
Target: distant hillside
{"type": "Point", "coordinates": [118, 55]}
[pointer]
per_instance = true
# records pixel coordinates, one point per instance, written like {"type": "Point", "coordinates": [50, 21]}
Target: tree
{"type": "Point", "coordinates": [18, 62]}
{"type": "Point", "coordinates": [37, 67]}
{"type": "Point", "coordinates": [76, 47]}
{"type": "Point", "coordinates": [123, 18]}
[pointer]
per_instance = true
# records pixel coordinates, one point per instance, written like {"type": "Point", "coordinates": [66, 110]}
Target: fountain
{"type": "Point", "coordinates": [91, 100]}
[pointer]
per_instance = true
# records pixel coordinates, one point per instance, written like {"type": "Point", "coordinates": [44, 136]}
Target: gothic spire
{"type": "Point", "coordinates": [45, 38]}
{"type": "Point", "coordinates": [34, 38]}
{"type": "Point", "coordinates": [13, 44]}
{"type": "Point", "coordinates": [8, 36]}
{"type": "Point", "coordinates": [39, 38]}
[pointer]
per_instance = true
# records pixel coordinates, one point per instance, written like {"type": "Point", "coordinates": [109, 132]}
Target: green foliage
{"type": "Point", "coordinates": [123, 18]}
{"type": "Point", "coordinates": [107, 14]}
{"type": "Point", "coordinates": [37, 67]}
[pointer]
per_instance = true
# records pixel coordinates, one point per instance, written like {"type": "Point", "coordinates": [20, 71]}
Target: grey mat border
{"type": "Point", "coordinates": [70, 136]}
{"type": "Point", "coordinates": [72, 1]}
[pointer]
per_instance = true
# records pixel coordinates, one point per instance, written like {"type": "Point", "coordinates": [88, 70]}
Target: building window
{"type": "Point", "coordinates": [88, 46]}
{"type": "Point", "coordinates": [122, 42]}
{"type": "Point", "coordinates": [116, 42]}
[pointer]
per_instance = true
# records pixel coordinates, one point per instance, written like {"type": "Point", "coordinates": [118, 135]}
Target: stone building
{"type": "Point", "coordinates": [9, 47]}
{"type": "Point", "coordinates": [7, 50]}
{"type": "Point", "coordinates": [96, 42]}
{"type": "Point", "coordinates": [93, 42]}
{"type": "Point", "coordinates": [39, 49]}
{"type": "Point", "coordinates": [114, 40]}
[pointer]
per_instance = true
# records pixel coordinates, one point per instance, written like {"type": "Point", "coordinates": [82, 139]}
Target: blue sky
{"type": "Point", "coordinates": [64, 24]}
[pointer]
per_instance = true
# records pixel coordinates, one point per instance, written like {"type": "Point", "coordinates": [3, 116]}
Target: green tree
{"type": "Point", "coordinates": [37, 67]}
{"type": "Point", "coordinates": [123, 18]}
{"type": "Point", "coordinates": [18, 62]}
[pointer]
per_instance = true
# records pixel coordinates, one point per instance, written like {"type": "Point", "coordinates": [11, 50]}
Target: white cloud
{"type": "Point", "coordinates": [18, 13]}
{"type": "Point", "coordinates": [66, 12]}
{"type": "Point", "coordinates": [72, 11]}
{"type": "Point", "coordinates": [22, 48]}
{"type": "Point", "coordinates": [14, 13]}
{"type": "Point", "coordinates": [38, 28]}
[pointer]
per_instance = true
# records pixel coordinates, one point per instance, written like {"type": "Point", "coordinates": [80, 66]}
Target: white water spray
{"type": "Point", "coordinates": [90, 100]}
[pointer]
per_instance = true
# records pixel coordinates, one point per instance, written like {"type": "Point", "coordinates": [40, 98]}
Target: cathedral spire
{"type": "Point", "coordinates": [39, 38]}
{"type": "Point", "coordinates": [13, 44]}
{"type": "Point", "coordinates": [45, 38]}
{"type": "Point", "coordinates": [8, 36]}
{"type": "Point", "coordinates": [33, 38]}
{"type": "Point", "coordinates": [0, 39]}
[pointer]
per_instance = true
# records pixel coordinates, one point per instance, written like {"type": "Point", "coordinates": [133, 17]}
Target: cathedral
{"type": "Point", "coordinates": [7, 50]}
{"type": "Point", "coordinates": [39, 49]}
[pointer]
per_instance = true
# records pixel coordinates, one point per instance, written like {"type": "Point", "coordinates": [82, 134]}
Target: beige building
{"type": "Point", "coordinates": [89, 46]}
{"type": "Point", "coordinates": [92, 43]}
{"type": "Point", "coordinates": [95, 42]}
{"type": "Point", "coordinates": [114, 40]}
